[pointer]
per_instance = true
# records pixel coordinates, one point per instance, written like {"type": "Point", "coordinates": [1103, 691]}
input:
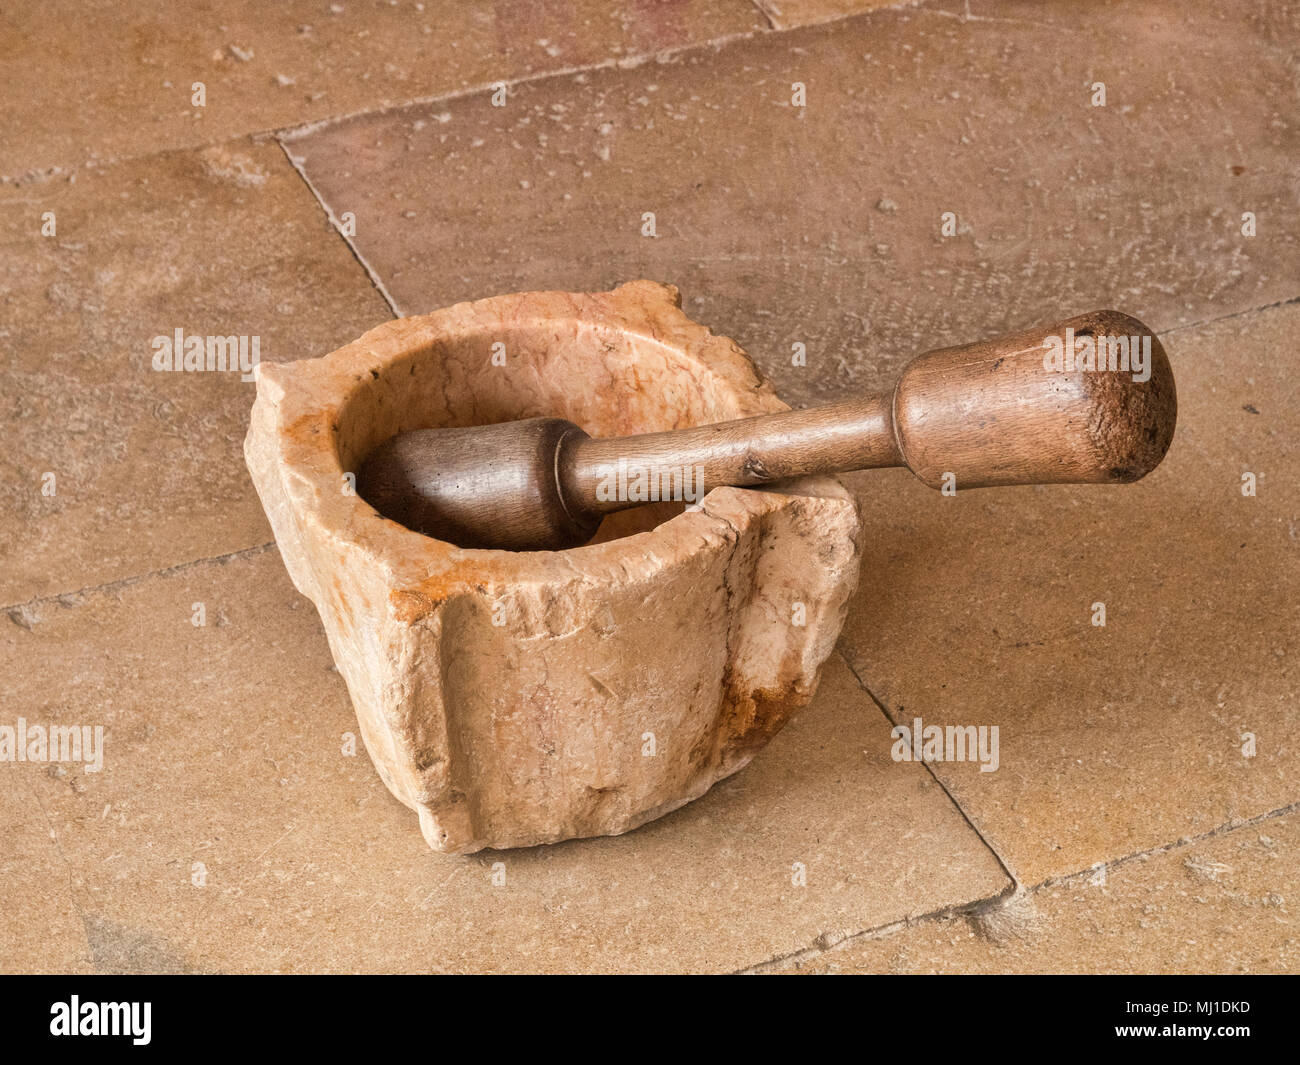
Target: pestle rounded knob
{"type": "Point", "coordinates": [1037, 408]}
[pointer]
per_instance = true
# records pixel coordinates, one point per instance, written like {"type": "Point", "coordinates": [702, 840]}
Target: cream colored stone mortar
{"type": "Point", "coordinates": [521, 698]}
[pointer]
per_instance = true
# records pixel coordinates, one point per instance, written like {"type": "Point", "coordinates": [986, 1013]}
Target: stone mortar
{"type": "Point", "coordinates": [517, 698]}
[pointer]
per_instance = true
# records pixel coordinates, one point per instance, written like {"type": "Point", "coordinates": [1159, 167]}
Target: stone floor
{"type": "Point", "coordinates": [348, 163]}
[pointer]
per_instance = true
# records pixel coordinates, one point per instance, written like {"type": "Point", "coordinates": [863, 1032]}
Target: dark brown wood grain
{"type": "Point", "coordinates": [487, 485]}
{"type": "Point", "coordinates": [999, 412]}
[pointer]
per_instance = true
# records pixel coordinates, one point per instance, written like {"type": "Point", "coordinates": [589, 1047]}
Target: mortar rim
{"type": "Point", "coordinates": [308, 407]}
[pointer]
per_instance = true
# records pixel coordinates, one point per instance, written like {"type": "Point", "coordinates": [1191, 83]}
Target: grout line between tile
{"type": "Point", "coordinates": [375, 279]}
{"type": "Point", "coordinates": [126, 582]}
{"type": "Point", "coordinates": [1231, 314]}
{"type": "Point", "coordinates": [294, 130]}
{"type": "Point", "coordinates": [1015, 880]}
{"type": "Point", "coordinates": [880, 931]}
{"type": "Point", "coordinates": [1225, 829]}
{"type": "Point", "coordinates": [785, 961]}
{"type": "Point", "coordinates": [298, 129]}
{"type": "Point", "coordinates": [640, 59]}
{"type": "Point", "coordinates": [891, 5]}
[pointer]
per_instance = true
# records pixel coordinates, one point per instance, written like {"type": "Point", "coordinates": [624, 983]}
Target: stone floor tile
{"type": "Point", "coordinates": [786, 14]}
{"type": "Point", "coordinates": [1222, 905]}
{"type": "Point", "coordinates": [228, 831]}
{"type": "Point", "coordinates": [106, 80]}
{"type": "Point", "coordinates": [823, 225]}
{"type": "Point", "coordinates": [1114, 739]}
{"type": "Point", "coordinates": [148, 467]}
{"type": "Point", "coordinates": [41, 930]}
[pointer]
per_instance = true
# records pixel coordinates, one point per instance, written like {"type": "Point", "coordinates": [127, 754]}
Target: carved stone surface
{"type": "Point", "coordinates": [521, 698]}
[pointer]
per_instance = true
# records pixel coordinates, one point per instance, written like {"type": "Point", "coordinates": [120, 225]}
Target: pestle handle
{"type": "Point", "coordinates": [991, 413]}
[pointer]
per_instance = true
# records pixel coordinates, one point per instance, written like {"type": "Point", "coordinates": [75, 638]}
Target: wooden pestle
{"type": "Point", "coordinates": [1089, 400]}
